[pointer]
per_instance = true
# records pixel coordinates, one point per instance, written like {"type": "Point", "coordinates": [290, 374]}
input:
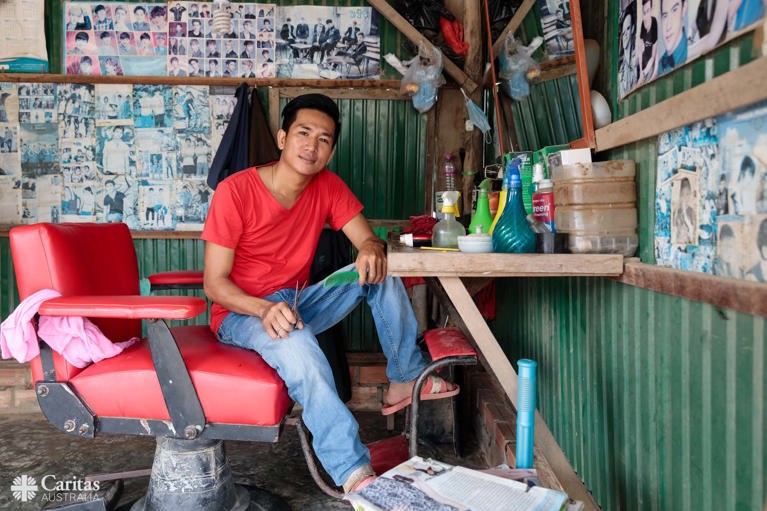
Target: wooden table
{"type": "Point", "coordinates": [444, 271]}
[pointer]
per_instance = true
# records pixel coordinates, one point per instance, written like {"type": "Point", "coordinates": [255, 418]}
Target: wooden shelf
{"type": "Point", "coordinates": [186, 80]}
{"type": "Point", "coordinates": [413, 262]}
{"type": "Point", "coordinates": [735, 294]}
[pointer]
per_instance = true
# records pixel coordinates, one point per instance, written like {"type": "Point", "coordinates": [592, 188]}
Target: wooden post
{"type": "Point", "coordinates": [472, 140]}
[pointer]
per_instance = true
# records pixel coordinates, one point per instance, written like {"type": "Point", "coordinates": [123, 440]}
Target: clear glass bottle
{"type": "Point", "coordinates": [445, 233]}
{"type": "Point", "coordinates": [512, 233]}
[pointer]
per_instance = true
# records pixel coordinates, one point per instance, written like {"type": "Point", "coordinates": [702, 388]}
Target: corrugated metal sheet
{"type": "Point", "coordinates": [380, 154]}
{"type": "Point", "coordinates": [658, 402]}
{"type": "Point", "coordinates": [549, 116]}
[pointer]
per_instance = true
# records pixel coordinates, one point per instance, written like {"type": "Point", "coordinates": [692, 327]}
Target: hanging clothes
{"type": "Point", "coordinates": [262, 148]}
{"type": "Point", "coordinates": [232, 153]}
{"type": "Point", "coordinates": [247, 141]}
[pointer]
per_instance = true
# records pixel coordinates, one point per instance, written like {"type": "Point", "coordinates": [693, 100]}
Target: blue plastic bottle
{"type": "Point", "coordinates": [512, 233]}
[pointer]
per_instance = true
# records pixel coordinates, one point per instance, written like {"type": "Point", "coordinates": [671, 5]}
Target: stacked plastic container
{"type": "Point", "coordinates": [596, 206]}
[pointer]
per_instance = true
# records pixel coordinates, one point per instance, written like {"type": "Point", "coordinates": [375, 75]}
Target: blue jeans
{"type": "Point", "coordinates": [302, 365]}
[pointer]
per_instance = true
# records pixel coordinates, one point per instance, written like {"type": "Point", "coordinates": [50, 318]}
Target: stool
{"type": "Point", "coordinates": [447, 347]}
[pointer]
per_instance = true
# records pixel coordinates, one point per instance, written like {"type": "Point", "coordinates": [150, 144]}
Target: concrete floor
{"type": "Point", "coordinates": [30, 446]}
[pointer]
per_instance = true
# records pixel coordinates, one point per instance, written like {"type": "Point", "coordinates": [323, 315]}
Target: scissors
{"type": "Point", "coordinates": [294, 307]}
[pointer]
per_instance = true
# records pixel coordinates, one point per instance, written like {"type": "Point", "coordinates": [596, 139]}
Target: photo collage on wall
{"type": "Point", "coordinates": [658, 36]}
{"type": "Point", "coordinates": [264, 41]}
{"type": "Point", "coordinates": [711, 196]}
{"type": "Point", "coordinates": [115, 38]}
{"type": "Point", "coordinates": [246, 51]}
{"type": "Point", "coordinates": [315, 42]}
{"type": "Point", "coordinates": [138, 154]}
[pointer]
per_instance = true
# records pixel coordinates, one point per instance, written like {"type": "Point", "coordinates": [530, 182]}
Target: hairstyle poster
{"type": "Point", "coordinates": [115, 38]}
{"type": "Point", "coordinates": [711, 196]}
{"type": "Point", "coordinates": [658, 36]}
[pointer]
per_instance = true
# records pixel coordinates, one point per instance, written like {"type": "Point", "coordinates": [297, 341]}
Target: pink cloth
{"type": "Point", "coordinates": [75, 338]}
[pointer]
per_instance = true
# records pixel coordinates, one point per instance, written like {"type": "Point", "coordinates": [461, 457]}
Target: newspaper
{"type": "Point", "coordinates": [419, 484]}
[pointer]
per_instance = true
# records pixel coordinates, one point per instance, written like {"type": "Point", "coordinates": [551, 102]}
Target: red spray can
{"type": "Point", "coordinates": [543, 203]}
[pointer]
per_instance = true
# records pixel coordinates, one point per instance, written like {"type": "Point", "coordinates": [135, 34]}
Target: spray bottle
{"type": "Point", "coordinates": [445, 233]}
{"type": "Point", "coordinates": [482, 217]}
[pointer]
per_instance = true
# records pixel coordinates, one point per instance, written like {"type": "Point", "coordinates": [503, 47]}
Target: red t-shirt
{"type": "Point", "coordinates": [273, 246]}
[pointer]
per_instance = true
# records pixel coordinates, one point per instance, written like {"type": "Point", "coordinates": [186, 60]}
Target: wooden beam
{"type": "Point", "coordinates": [513, 25]}
{"type": "Point", "coordinates": [733, 90]}
{"type": "Point", "coordinates": [472, 140]}
{"type": "Point", "coordinates": [739, 295]}
{"type": "Point", "coordinates": [187, 80]}
{"type": "Point", "coordinates": [401, 24]}
{"type": "Point", "coordinates": [346, 93]}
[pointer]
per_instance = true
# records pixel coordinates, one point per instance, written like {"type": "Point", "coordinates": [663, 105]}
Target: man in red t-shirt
{"type": "Point", "coordinates": [261, 233]}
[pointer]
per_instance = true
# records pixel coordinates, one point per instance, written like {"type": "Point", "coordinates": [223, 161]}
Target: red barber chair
{"type": "Point", "coordinates": [179, 384]}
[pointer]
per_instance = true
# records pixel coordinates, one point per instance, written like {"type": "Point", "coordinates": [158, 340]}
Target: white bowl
{"type": "Point", "coordinates": [475, 243]}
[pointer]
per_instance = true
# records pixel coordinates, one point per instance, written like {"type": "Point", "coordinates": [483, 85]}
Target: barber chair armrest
{"type": "Point", "coordinates": [176, 385]}
{"type": "Point", "coordinates": [178, 279]}
{"type": "Point", "coordinates": [125, 306]}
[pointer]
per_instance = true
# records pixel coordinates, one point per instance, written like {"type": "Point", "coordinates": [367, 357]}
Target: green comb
{"type": "Point", "coordinates": [340, 278]}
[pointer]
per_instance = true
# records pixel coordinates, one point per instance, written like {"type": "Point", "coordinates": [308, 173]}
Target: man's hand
{"type": "Point", "coordinates": [371, 261]}
{"type": "Point", "coordinates": [278, 320]}
{"type": "Point", "coordinates": [371, 250]}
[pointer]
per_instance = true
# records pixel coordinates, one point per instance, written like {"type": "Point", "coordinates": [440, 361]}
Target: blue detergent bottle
{"type": "Point", "coordinates": [512, 233]}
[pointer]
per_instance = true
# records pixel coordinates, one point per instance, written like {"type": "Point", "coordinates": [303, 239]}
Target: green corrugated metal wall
{"type": "Point", "coordinates": [658, 402]}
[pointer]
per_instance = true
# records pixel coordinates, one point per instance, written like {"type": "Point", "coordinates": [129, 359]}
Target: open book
{"type": "Point", "coordinates": [419, 484]}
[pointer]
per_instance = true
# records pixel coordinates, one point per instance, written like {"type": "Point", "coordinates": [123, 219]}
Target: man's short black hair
{"type": "Point", "coordinates": [314, 101]}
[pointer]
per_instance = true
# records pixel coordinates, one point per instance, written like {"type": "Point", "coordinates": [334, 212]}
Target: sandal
{"type": "Point", "coordinates": [434, 388]}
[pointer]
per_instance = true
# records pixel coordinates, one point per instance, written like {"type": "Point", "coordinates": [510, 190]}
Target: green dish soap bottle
{"type": "Point", "coordinates": [445, 233]}
{"type": "Point", "coordinates": [482, 217]}
{"type": "Point", "coordinates": [512, 233]}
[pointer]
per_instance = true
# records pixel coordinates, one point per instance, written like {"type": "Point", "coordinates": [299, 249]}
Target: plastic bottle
{"type": "Point", "coordinates": [448, 169]}
{"type": "Point", "coordinates": [482, 217]}
{"type": "Point", "coordinates": [538, 176]}
{"type": "Point", "coordinates": [504, 192]}
{"type": "Point", "coordinates": [512, 233]}
{"type": "Point", "coordinates": [526, 398]}
{"type": "Point", "coordinates": [445, 233]}
{"type": "Point", "coordinates": [543, 204]}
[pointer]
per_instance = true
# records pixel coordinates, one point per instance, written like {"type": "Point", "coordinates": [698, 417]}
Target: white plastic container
{"type": "Point", "coordinates": [596, 206]}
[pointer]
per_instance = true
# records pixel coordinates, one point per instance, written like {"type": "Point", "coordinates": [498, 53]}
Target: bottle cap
{"type": "Point", "coordinates": [538, 172]}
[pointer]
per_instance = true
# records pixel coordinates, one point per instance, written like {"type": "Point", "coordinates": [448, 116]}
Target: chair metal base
{"type": "Point", "coordinates": [195, 474]}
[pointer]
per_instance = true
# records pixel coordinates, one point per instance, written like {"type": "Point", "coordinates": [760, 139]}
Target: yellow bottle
{"type": "Point", "coordinates": [504, 192]}
{"type": "Point", "coordinates": [501, 205]}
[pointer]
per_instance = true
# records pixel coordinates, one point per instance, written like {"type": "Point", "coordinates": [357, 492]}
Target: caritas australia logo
{"type": "Point", "coordinates": [24, 488]}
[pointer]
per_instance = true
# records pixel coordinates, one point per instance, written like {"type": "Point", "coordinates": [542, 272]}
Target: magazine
{"type": "Point", "coordinates": [425, 484]}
